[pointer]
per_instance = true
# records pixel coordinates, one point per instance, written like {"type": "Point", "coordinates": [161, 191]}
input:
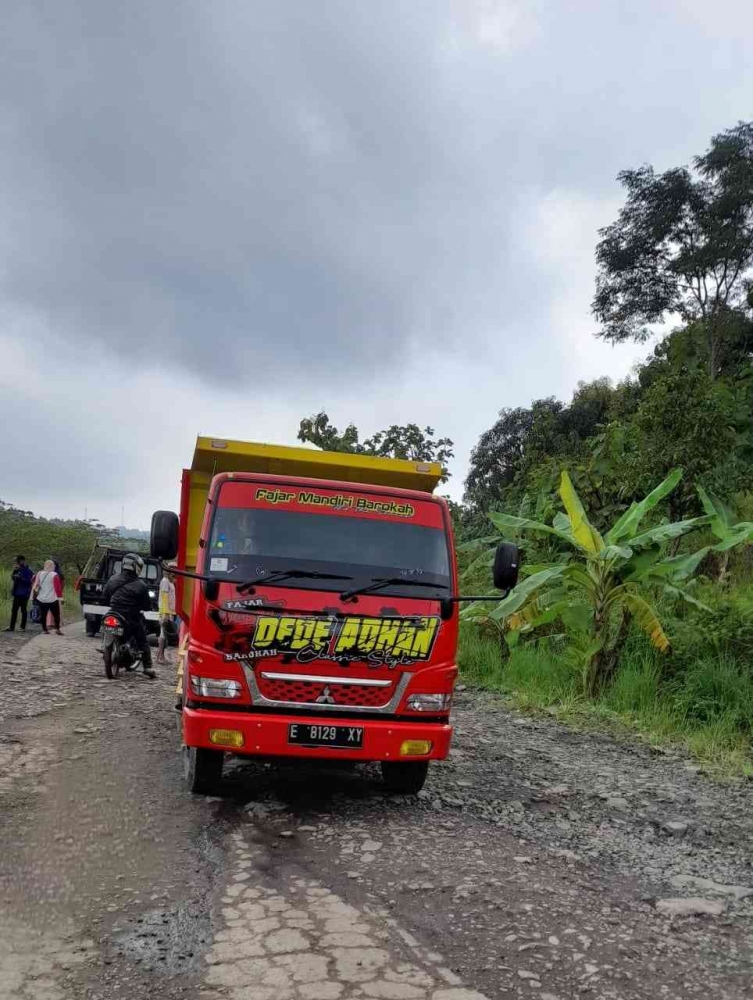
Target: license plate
{"type": "Point", "coordinates": [109, 630]}
{"type": "Point", "coordinates": [311, 734]}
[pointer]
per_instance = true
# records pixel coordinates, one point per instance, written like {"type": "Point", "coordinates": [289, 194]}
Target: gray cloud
{"type": "Point", "coordinates": [231, 184]}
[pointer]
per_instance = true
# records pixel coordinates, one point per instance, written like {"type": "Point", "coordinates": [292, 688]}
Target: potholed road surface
{"type": "Point", "coordinates": [537, 862]}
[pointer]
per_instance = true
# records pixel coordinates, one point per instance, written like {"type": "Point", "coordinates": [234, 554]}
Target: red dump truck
{"type": "Point", "coordinates": [318, 594]}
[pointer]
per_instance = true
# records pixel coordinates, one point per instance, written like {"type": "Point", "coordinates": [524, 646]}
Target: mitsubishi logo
{"type": "Point", "coordinates": [325, 698]}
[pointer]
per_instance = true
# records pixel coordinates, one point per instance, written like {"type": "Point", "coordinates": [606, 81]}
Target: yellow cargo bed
{"type": "Point", "coordinates": [215, 455]}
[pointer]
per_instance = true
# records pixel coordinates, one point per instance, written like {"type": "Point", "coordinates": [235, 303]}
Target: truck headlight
{"type": "Point", "coordinates": [214, 687]}
{"type": "Point", "coordinates": [432, 703]}
{"type": "Point", "coordinates": [152, 593]}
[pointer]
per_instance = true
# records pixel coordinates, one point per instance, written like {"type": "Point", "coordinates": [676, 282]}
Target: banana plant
{"type": "Point", "coordinates": [602, 583]}
{"type": "Point", "coordinates": [729, 532]}
{"type": "Point", "coordinates": [721, 523]}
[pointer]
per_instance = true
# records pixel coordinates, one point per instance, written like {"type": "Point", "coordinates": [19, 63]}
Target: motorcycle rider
{"type": "Point", "coordinates": [128, 596]}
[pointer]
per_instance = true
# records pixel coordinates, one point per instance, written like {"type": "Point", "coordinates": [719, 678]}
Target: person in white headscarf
{"type": "Point", "coordinates": [47, 592]}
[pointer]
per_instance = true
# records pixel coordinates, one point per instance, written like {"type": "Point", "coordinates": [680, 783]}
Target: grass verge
{"type": "Point", "coordinates": [707, 711]}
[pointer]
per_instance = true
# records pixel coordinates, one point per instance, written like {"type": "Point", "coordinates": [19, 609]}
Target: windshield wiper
{"type": "Point", "coordinates": [289, 574]}
{"type": "Point", "coordinates": [389, 581]}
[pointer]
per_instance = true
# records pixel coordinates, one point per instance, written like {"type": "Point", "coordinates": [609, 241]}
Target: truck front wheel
{"type": "Point", "coordinates": [202, 769]}
{"type": "Point", "coordinates": [404, 777]}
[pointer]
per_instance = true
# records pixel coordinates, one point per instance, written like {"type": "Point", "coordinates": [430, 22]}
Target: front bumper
{"type": "Point", "coordinates": [266, 735]}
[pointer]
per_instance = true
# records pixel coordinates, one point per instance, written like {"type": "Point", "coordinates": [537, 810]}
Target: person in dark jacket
{"type": "Point", "coordinates": [128, 595]}
{"type": "Point", "coordinates": [21, 578]}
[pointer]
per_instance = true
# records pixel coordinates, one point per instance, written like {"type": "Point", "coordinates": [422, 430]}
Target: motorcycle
{"type": "Point", "coordinates": [118, 648]}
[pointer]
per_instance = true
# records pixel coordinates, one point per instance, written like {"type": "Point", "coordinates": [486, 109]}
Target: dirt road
{"type": "Point", "coordinates": [537, 862]}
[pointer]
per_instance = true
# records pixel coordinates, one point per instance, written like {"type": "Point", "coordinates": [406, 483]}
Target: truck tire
{"type": "Point", "coordinates": [404, 777]}
{"type": "Point", "coordinates": [202, 769]}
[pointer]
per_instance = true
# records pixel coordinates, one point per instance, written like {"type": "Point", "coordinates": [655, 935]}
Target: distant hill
{"type": "Point", "coordinates": [124, 532]}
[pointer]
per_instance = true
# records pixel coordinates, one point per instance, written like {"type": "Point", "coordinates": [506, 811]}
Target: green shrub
{"type": "Point", "coordinates": [637, 687]}
{"type": "Point", "coordinates": [479, 657]}
{"type": "Point", "coordinates": [540, 674]}
{"type": "Point", "coordinates": [716, 689]}
{"type": "Point", "coordinates": [727, 630]}
{"type": "Point", "coordinates": [541, 677]}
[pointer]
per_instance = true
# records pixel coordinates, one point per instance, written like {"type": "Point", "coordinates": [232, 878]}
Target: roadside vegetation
{"type": "Point", "coordinates": [633, 504]}
{"type": "Point", "coordinates": [705, 708]}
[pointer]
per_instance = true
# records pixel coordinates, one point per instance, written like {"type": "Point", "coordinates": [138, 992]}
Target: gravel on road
{"type": "Point", "coordinates": [538, 861]}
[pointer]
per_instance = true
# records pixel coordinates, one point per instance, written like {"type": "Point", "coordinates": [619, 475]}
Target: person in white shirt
{"type": "Point", "coordinates": [166, 613]}
{"type": "Point", "coordinates": [47, 591]}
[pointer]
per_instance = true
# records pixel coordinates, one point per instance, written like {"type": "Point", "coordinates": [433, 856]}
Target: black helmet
{"type": "Point", "coordinates": [133, 562]}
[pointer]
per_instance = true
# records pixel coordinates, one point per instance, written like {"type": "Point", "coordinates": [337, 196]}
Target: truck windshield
{"type": "Point", "coordinates": [249, 542]}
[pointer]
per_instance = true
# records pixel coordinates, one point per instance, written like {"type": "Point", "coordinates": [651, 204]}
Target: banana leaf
{"type": "Point", "coordinates": [514, 601]}
{"type": "Point", "coordinates": [641, 563]}
{"type": "Point", "coordinates": [665, 532]}
{"type": "Point", "coordinates": [627, 525]}
{"type": "Point", "coordinates": [562, 523]}
{"type": "Point", "coordinates": [683, 595]}
{"type": "Point", "coordinates": [742, 532]}
{"type": "Point", "coordinates": [540, 605]}
{"type": "Point", "coordinates": [584, 532]}
{"type": "Point", "coordinates": [477, 543]}
{"type": "Point", "coordinates": [579, 576]}
{"type": "Point", "coordinates": [610, 552]}
{"type": "Point", "coordinates": [578, 618]}
{"type": "Point", "coordinates": [716, 513]}
{"type": "Point", "coordinates": [645, 617]}
{"type": "Point", "coordinates": [679, 567]}
{"type": "Point", "coordinates": [510, 522]}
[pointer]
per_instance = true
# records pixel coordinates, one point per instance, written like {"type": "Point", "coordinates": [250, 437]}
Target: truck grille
{"type": "Point", "coordinates": [305, 691]}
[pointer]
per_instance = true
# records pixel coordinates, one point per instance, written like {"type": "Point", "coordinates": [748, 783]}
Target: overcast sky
{"type": "Point", "coordinates": [222, 216]}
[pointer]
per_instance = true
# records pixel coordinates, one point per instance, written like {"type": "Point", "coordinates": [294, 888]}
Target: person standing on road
{"type": "Point", "coordinates": [47, 591]}
{"type": "Point", "coordinates": [128, 596]}
{"type": "Point", "coordinates": [61, 575]}
{"type": "Point", "coordinates": [166, 612]}
{"type": "Point", "coordinates": [21, 578]}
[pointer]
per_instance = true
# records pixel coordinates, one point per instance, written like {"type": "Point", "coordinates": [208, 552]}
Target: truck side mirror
{"type": "Point", "coordinates": [506, 560]}
{"type": "Point", "coordinates": [163, 540]}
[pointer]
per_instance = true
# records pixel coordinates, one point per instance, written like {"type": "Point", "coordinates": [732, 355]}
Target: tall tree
{"type": "Point", "coordinates": [523, 440]}
{"type": "Point", "coordinates": [686, 419]}
{"type": "Point", "coordinates": [407, 441]}
{"type": "Point", "coordinates": [498, 458]}
{"type": "Point", "coordinates": [682, 245]}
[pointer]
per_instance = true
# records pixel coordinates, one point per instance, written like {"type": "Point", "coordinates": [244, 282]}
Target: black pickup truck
{"type": "Point", "coordinates": [101, 565]}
